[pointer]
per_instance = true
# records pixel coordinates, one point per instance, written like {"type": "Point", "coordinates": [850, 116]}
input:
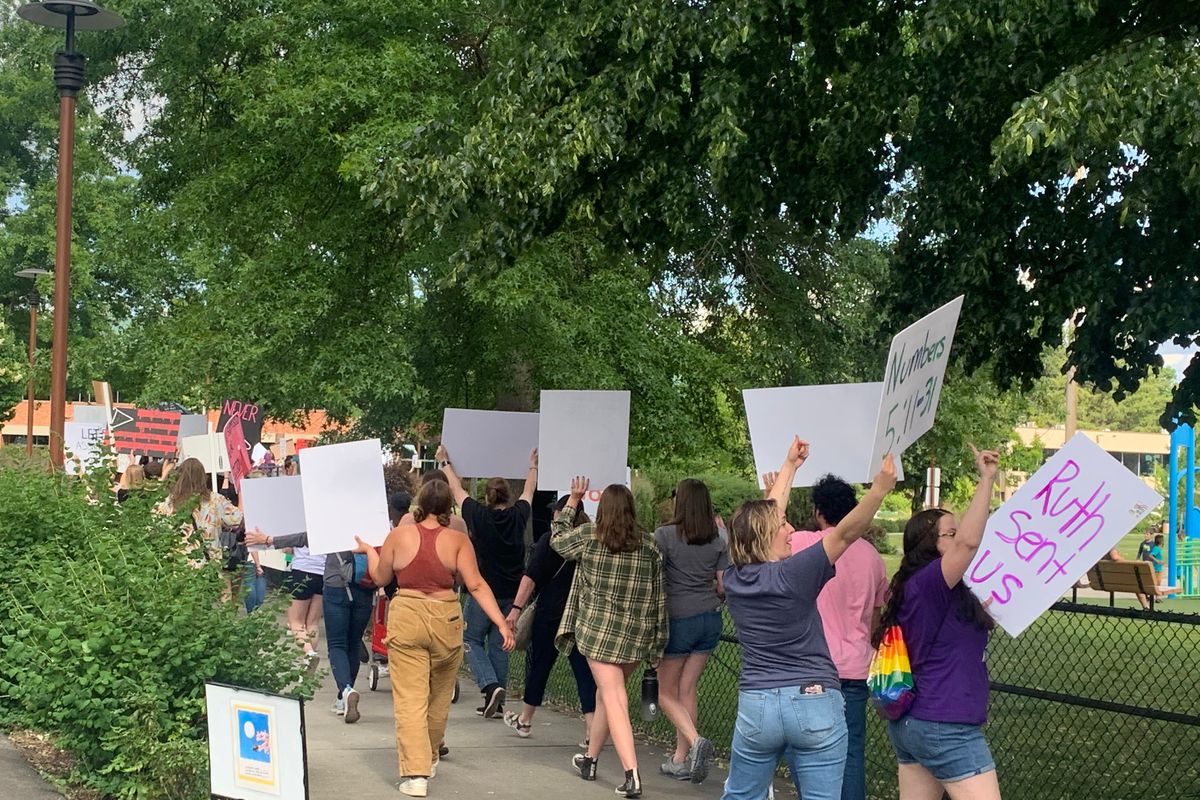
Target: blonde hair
{"type": "Point", "coordinates": [752, 531]}
{"type": "Point", "coordinates": [135, 476]}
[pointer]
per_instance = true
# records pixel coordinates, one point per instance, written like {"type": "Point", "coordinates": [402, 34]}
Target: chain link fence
{"type": "Point", "coordinates": [1090, 702]}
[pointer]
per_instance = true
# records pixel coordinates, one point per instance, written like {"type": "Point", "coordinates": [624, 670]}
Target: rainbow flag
{"type": "Point", "coordinates": [890, 679]}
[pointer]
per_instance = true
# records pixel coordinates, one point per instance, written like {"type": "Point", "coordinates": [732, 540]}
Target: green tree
{"type": "Point", "coordinates": [1095, 410]}
{"type": "Point", "coordinates": [13, 372]}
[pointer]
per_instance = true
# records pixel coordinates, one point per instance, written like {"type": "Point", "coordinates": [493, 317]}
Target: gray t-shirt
{"type": "Point", "coordinates": [774, 607]}
{"type": "Point", "coordinates": [690, 572]}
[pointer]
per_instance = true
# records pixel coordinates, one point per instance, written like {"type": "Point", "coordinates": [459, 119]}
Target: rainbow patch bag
{"type": "Point", "coordinates": [890, 680]}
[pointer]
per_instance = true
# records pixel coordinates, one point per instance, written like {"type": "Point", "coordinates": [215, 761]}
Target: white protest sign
{"type": "Point", "coordinates": [834, 419]}
{"type": "Point", "coordinates": [274, 506]}
{"type": "Point", "coordinates": [82, 442]}
{"type": "Point", "coordinates": [344, 495]}
{"type": "Point", "coordinates": [489, 444]}
{"type": "Point", "coordinates": [208, 449]}
{"type": "Point", "coordinates": [582, 433]}
{"type": "Point", "coordinates": [88, 414]}
{"type": "Point", "coordinates": [912, 381]}
{"type": "Point", "coordinates": [1070, 513]}
{"type": "Point", "coordinates": [192, 425]}
{"type": "Point", "coordinates": [255, 744]}
{"type": "Point", "coordinates": [591, 500]}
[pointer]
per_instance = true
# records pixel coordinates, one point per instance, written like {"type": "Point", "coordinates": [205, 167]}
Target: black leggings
{"type": "Point", "coordinates": [540, 660]}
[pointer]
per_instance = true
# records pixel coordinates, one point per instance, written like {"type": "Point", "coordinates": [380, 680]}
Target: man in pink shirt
{"type": "Point", "coordinates": [849, 606]}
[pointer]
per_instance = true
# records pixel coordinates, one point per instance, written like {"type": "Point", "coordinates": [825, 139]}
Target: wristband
{"type": "Point", "coordinates": [517, 607]}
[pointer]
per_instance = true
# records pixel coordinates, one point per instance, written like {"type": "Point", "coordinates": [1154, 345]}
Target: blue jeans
{"type": "Point", "coordinates": [484, 645]}
{"type": "Point", "coordinates": [256, 587]}
{"type": "Point", "coordinates": [854, 780]}
{"type": "Point", "coordinates": [809, 730]}
{"type": "Point", "coordinates": [346, 619]}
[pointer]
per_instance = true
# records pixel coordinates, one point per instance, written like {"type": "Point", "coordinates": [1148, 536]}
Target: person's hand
{"type": "Point", "coordinates": [258, 570]}
{"type": "Point", "coordinates": [720, 523]}
{"type": "Point", "coordinates": [441, 454]}
{"type": "Point", "coordinates": [986, 462]}
{"type": "Point", "coordinates": [513, 615]}
{"type": "Point", "coordinates": [798, 452]}
{"type": "Point", "coordinates": [579, 487]}
{"type": "Point", "coordinates": [886, 479]}
{"type": "Point", "coordinates": [768, 479]}
{"type": "Point", "coordinates": [363, 547]}
{"type": "Point", "coordinates": [533, 459]}
{"type": "Point", "coordinates": [510, 639]}
{"type": "Point", "coordinates": [256, 537]}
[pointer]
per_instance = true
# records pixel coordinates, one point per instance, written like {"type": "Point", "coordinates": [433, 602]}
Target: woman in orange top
{"type": "Point", "coordinates": [425, 626]}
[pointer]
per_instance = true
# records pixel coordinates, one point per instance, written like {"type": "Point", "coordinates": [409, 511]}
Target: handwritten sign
{"type": "Point", "coordinates": [249, 413]}
{"type": "Point", "coordinates": [1070, 513]}
{"type": "Point", "coordinates": [239, 454]}
{"type": "Point", "coordinates": [144, 431]}
{"type": "Point", "coordinates": [912, 380]}
{"type": "Point", "coordinates": [83, 442]}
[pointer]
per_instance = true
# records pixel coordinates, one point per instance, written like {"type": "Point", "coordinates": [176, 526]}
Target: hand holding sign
{"type": "Point", "coordinates": [797, 453]}
{"type": "Point", "coordinates": [579, 487]}
{"type": "Point", "coordinates": [987, 462]}
{"type": "Point", "coordinates": [885, 480]}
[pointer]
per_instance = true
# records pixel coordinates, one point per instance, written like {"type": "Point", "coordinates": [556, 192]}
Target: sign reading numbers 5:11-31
{"type": "Point", "coordinates": [912, 381]}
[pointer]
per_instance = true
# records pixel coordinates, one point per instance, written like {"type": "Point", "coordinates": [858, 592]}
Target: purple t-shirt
{"type": "Point", "coordinates": [774, 606]}
{"type": "Point", "coordinates": [945, 648]}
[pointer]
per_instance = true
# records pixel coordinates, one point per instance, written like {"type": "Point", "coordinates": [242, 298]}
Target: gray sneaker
{"type": "Point", "coordinates": [700, 758]}
{"type": "Point", "coordinates": [679, 770]}
{"type": "Point", "coordinates": [339, 707]}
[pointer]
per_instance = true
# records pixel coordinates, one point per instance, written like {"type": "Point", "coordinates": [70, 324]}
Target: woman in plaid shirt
{"type": "Point", "coordinates": [616, 615]}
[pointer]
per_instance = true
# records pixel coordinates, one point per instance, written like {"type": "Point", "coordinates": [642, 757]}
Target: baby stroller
{"type": "Point", "coordinates": [378, 655]}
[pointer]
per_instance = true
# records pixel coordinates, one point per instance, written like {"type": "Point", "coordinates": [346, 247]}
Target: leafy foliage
{"type": "Point", "coordinates": [108, 636]}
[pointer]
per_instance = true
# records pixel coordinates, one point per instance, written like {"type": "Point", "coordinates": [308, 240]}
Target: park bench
{"type": "Point", "coordinates": [1129, 577]}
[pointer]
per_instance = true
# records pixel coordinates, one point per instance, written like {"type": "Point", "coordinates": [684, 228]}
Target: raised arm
{"type": "Point", "coordinates": [456, 484]}
{"type": "Point", "coordinates": [970, 530]}
{"type": "Point", "coordinates": [531, 478]}
{"type": "Point", "coordinates": [855, 524]}
{"type": "Point", "coordinates": [781, 489]}
{"type": "Point", "coordinates": [567, 540]}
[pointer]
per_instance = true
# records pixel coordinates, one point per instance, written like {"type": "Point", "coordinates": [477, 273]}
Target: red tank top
{"type": "Point", "coordinates": [426, 572]}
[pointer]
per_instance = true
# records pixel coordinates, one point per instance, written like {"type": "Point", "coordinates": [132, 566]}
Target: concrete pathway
{"type": "Point", "coordinates": [18, 779]}
{"type": "Point", "coordinates": [487, 759]}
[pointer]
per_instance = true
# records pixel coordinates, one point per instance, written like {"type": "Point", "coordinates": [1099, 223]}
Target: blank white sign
{"type": "Point", "coordinates": [192, 425]}
{"type": "Point", "coordinates": [274, 505]}
{"type": "Point", "coordinates": [489, 444]}
{"type": "Point", "coordinates": [836, 420]}
{"type": "Point", "coordinates": [344, 495]}
{"type": "Point", "coordinates": [208, 449]}
{"type": "Point", "coordinates": [582, 433]}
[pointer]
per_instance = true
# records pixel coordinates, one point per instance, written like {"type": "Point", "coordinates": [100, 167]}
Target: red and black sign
{"type": "Point", "coordinates": [145, 432]}
{"type": "Point", "coordinates": [249, 413]}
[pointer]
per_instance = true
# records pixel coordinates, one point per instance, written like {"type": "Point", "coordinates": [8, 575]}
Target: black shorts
{"type": "Point", "coordinates": [303, 585]}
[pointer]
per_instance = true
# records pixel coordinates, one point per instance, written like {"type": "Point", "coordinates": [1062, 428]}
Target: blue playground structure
{"type": "Point", "coordinates": [1183, 555]}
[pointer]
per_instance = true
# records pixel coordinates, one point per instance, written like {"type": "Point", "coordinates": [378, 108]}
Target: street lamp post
{"type": "Point", "coordinates": [35, 300]}
{"type": "Point", "coordinates": [70, 15]}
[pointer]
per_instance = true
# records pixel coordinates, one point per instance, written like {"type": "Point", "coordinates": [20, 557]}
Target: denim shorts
{"type": "Point", "coordinates": [698, 634]}
{"type": "Point", "coordinates": [950, 751]}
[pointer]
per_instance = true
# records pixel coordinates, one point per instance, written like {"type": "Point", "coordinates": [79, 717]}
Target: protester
{"type": "Point", "coordinates": [616, 615]}
{"type": "Point", "coordinates": [291, 466]}
{"type": "Point", "coordinates": [133, 479]}
{"type": "Point", "coordinates": [695, 553]}
{"type": "Point", "coordinates": [551, 577]}
{"type": "Point", "coordinates": [939, 742]}
{"type": "Point", "coordinates": [498, 533]}
{"type": "Point", "coordinates": [456, 522]}
{"type": "Point", "coordinates": [210, 511]}
{"type": "Point", "coordinates": [849, 606]}
{"type": "Point", "coordinates": [789, 702]}
{"type": "Point", "coordinates": [306, 585]}
{"type": "Point", "coordinates": [425, 627]}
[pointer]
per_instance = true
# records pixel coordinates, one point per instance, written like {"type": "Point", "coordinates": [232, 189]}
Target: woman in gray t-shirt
{"type": "Point", "coordinates": [694, 554]}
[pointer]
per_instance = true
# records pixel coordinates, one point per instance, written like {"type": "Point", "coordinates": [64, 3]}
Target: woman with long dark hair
{"type": "Point", "coordinates": [695, 554]}
{"type": "Point", "coordinates": [939, 742]}
{"type": "Point", "coordinates": [210, 511]}
{"type": "Point", "coordinates": [790, 703]}
{"type": "Point", "coordinates": [615, 614]}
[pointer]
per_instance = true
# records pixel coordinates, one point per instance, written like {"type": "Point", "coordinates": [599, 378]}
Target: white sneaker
{"type": "Point", "coordinates": [350, 695]}
{"type": "Point", "coordinates": [433, 770]}
{"type": "Point", "coordinates": [414, 787]}
{"type": "Point", "coordinates": [339, 707]}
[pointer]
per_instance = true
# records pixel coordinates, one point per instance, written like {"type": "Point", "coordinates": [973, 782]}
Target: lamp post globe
{"type": "Point", "coordinates": [71, 16]}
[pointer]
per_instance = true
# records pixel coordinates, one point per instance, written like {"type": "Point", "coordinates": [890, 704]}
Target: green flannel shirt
{"type": "Point", "coordinates": [616, 612]}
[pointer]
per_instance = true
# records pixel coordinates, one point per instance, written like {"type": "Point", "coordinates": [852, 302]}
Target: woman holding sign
{"type": "Point", "coordinates": [939, 742]}
{"type": "Point", "coordinates": [616, 614]}
{"type": "Point", "coordinates": [790, 703]}
{"type": "Point", "coordinates": [425, 626]}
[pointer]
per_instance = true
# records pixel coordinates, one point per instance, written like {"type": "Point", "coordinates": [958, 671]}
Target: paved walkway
{"type": "Point", "coordinates": [487, 759]}
{"type": "Point", "coordinates": [18, 779]}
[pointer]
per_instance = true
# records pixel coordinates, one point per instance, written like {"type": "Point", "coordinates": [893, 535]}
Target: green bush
{"type": "Point", "coordinates": [107, 636]}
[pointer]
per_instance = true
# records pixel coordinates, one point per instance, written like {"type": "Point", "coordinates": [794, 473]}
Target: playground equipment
{"type": "Point", "coordinates": [1183, 557]}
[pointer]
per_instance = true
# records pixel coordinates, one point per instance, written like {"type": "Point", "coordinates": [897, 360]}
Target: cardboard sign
{"type": "Point", "coordinates": [82, 443]}
{"type": "Point", "coordinates": [250, 415]}
{"type": "Point", "coordinates": [344, 495]}
{"type": "Point", "coordinates": [144, 431]}
{"type": "Point", "coordinates": [582, 433]}
{"type": "Point", "coordinates": [489, 444]}
{"type": "Point", "coordinates": [1070, 513]}
{"type": "Point", "coordinates": [255, 744]}
{"type": "Point", "coordinates": [239, 454]}
{"type": "Point", "coordinates": [834, 419]}
{"type": "Point", "coordinates": [104, 397]}
{"type": "Point", "coordinates": [912, 381]}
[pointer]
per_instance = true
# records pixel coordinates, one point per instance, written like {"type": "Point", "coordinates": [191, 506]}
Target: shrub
{"type": "Point", "coordinates": [107, 636]}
